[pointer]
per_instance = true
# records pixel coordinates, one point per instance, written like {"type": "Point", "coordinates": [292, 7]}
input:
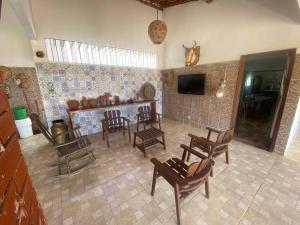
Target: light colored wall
{"type": "Point", "coordinates": [119, 23]}
{"type": "Point", "coordinates": [226, 29]}
{"type": "Point", "coordinates": [295, 128]}
{"type": "Point", "coordinates": [15, 47]}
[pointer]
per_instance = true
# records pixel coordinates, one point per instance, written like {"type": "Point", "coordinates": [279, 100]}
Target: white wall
{"type": "Point", "coordinates": [119, 23]}
{"type": "Point", "coordinates": [226, 29]}
{"type": "Point", "coordinates": [15, 47]}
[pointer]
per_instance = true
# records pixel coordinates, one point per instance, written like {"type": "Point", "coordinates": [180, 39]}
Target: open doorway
{"type": "Point", "coordinates": [260, 96]}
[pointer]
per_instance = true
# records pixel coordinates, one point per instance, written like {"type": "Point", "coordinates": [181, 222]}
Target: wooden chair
{"type": "Point", "coordinates": [76, 147]}
{"type": "Point", "coordinates": [113, 122]}
{"type": "Point", "coordinates": [145, 117]}
{"type": "Point", "coordinates": [182, 177]}
{"type": "Point", "coordinates": [214, 148]}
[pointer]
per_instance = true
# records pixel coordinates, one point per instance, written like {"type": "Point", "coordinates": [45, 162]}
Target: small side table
{"type": "Point", "coordinates": [149, 137]}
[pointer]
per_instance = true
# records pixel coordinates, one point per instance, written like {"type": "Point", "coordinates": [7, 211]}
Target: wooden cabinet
{"type": "Point", "coordinates": [18, 200]}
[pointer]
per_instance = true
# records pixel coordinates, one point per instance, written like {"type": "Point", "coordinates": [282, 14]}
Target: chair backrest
{"type": "Point", "coordinates": [113, 119]}
{"type": "Point", "coordinates": [225, 136]}
{"type": "Point", "coordinates": [197, 168]}
{"type": "Point", "coordinates": [145, 113]}
{"type": "Point", "coordinates": [42, 127]}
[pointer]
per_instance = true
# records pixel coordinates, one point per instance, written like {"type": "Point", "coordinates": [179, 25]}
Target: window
{"type": "Point", "coordinates": [76, 52]}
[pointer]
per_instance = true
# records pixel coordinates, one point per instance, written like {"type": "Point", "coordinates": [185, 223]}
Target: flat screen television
{"type": "Point", "coordinates": [193, 84]}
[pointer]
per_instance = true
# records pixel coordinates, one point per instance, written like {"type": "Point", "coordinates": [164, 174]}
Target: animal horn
{"type": "Point", "coordinates": [184, 47]}
{"type": "Point", "coordinates": [195, 42]}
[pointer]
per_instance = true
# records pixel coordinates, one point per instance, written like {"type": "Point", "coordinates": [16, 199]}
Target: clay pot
{"type": "Point", "coordinates": [93, 102]}
{"type": "Point", "coordinates": [73, 105]}
{"type": "Point", "coordinates": [85, 103]}
{"type": "Point", "coordinates": [117, 100]}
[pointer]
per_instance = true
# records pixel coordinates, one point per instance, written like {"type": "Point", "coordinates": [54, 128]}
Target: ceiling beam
{"type": "Point", "coordinates": [161, 4]}
{"type": "Point", "coordinates": [151, 4]}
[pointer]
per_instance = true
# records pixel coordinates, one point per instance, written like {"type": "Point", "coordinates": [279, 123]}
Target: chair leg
{"type": "Point", "coordinates": [134, 140]}
{"type": "Point", "coordinates": [103, 135]}
{"type": "Point", "coordinates": [227, 157]}
{"type": "Point", "coordinates": [154, 180]}
{"type": "Point", "coordinates": [129, 134]}
{"type": "Point", "coordinates": [107, 139]}
{"type": "Point", "coordinates": [207, 188]}
{"type": "Point", "coordinates": [164, 141]}
{"type": "Point", "coordinates": [177, 203]}
{"type": "Point", "coordinates": [188, 156]}
{"type": "Point", "coordinates": [212, 172]}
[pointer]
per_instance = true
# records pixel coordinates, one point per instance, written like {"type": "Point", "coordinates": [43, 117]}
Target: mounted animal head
{"type": "Point", "coordinates": [192, 55]}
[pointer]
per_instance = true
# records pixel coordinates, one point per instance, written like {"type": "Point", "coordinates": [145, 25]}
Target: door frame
{"type": "Point", "coordinates": [292, 53]}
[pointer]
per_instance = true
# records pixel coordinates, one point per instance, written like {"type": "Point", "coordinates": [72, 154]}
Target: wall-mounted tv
{"type": "Point", "coordinates": [192, 84]}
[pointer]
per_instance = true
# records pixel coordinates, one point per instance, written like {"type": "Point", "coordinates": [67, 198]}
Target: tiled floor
{"type": "Point", "coordinates": [257, 188]}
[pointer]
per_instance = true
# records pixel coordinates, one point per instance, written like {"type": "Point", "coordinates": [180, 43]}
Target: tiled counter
{"type": "Point", "coordinates": [90, 119]}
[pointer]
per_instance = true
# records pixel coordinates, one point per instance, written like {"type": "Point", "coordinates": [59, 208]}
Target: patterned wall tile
{"type": "Point", "coordinates": [60, 83]}
{"type": "Point", "coordinates": [16, 97]}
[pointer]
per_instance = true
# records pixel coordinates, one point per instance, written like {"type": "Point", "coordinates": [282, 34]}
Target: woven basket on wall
{"type": "Point", "coordinates": [148, 91]}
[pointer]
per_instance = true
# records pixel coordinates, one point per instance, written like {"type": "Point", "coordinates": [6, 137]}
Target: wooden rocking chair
{"type": "Point", "coordinates": [113, 122]}
{"type": "Point", "coordinates": [182, 177]}
{"type": "Point", "coordinates": [214, 148]}
{"type": "Point", "coordinates": [145, 117]}
{"type": "Point", "coordinates": [76, 147]}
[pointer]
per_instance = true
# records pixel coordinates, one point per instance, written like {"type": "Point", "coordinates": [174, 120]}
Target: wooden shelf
{"type": "Point", "coordinates": [71, 113]}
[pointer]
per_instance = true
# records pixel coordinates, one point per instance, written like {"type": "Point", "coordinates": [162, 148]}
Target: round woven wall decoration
{"type": "Point", "coordinates": [157, 31]}
{"type": "Point", "coordinates": [148, 91]}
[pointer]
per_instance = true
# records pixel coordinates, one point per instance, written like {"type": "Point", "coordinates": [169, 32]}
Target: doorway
{"type": "Point", "coordinates": [260, 96]}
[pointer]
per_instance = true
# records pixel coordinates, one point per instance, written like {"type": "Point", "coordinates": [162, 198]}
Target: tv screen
{"type": "Point", "coordinates": [191, 84]}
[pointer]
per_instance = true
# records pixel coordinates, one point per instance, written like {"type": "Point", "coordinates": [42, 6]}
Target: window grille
{"type": "Point", "coordinates": [76, 52]}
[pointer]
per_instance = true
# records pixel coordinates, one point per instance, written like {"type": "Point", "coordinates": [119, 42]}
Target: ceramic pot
{"type": "Point", "coordinates": [73, 105]}
{"type": "Point", "coordinates": [85, 103]}
{"type": "Point", "coordinates": [93, 102]}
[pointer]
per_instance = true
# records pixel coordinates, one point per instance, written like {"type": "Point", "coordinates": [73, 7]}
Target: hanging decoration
{"type": "Point", "coordinates": [221, 88]}
{"type": "Point", "coordinates": [21, 81]}
{"type": "Point", "coordinates": [192, 55]}
{"type": "Point", "coordinates": [157, 30]}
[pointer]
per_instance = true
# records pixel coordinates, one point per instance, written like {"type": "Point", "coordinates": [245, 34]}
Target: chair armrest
{"type": "Point", "coordinates": [214, 130]}
{"type": "Point", "coordinates": [167, 173]}
{"type": "Point", "coordinates": [192, 151]}
{"type": "Point", "coordinates": [220, 144]}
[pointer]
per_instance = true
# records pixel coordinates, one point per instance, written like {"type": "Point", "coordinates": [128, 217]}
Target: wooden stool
{"type": "Point", "coordinates": [149, 137]}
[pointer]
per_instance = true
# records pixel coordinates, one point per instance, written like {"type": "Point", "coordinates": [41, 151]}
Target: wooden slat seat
{"type": "Point", "coordinates": [149, 137]}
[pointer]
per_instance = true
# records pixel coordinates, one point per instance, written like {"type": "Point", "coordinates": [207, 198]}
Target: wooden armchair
{"type": "Point", "coordinates": [113, 122]}
{"type": "Point", "coordinates": [182, 177]}
{"type": "Point", "coordinates": [214, 148]}
{"type": "Point", "coordinates": [76, 147]}
{"type": "Point", "coordinates": [145, 117]}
